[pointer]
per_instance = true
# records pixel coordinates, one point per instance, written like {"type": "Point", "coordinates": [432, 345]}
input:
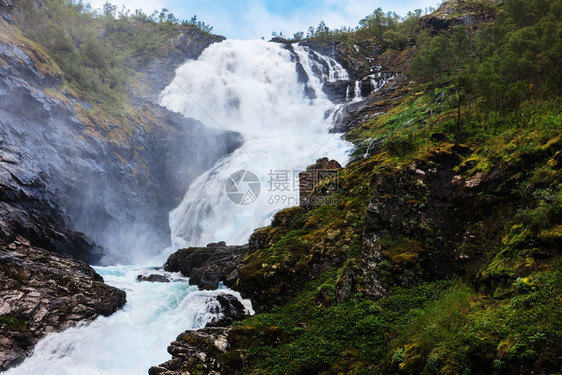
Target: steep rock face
{"type": "Point", "coordinates": [360, 62]}
{"type": "Point", "coordinates": [451, 13]}
{"type": "Point", "coordinates": [277, 270]}
{"type": "Point", "coordinates": [29, 205]}
{"type": "Point", "coordinates": [207, 266]}
{"type": "Point", "coordinates": [42, 292]}
{"type": "Point", "coordinates": [59, 171]}
{"type": "Point", "coordinates": [5, 7]}
{"type": "Point", "coordinates": [356, 114]}
{"type": "Point", "coordinates": [423, 193]}
{"type": "Point", "coordinates": [356, 63]}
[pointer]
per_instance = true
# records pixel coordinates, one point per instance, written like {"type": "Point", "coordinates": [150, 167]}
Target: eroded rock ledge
{"type": "Point", "coordinates": [42, 292]}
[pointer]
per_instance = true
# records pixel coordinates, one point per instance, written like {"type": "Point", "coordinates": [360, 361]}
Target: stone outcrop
{"type": "Point", "coordinates": [42, 292]}
{"type": "Point", "coordinates": [199, 351]}
{"type": "Point", "coordinates": [358, 113]}
{"type": "Point", "coordinates": [207, 266]}
{"type": "Point", "coordinates": [451, 13]}
{"type": "Point", "coordinates": [308, 180]}
{"type": "Point", "coordinates": [195, 350]}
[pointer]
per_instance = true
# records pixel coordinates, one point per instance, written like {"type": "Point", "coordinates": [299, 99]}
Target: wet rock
{"type": "Point", "coordinates": [207, 266]}
{"type": "Point", "coordinates": [338, 91]}
{"type": "Point", "coordinates": [195, 352]}
{"type": "Point", "coordinates": [376, 104]}
{"type": "Point", "coordinates": [200, 351]}
{"type": "Point", "coordinates": [231, 309]}
{"type": "Point", "coordinates": [153, 278]}
{"type": "Point", "coordinates": [42, 292]}
{"type": "Point", "coordinates": [354, 62]}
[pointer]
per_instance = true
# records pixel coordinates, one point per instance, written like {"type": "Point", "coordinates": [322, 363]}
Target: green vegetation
{"type": "Point", "coordinates": [456, 183]}
{"type": "Point", "coordinates": [437, 327]}
{"type": "Point", "coordinates": [13, 323]}
{"type": "Point", "coordinates": [388, 29]}
{"type": "Point", "coordinates": [97, 52]}
{"type": "Point", "coordinates": [491, 94]}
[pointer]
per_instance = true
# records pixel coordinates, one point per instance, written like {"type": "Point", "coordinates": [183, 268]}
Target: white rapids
{"type": "Point", "coordinates": [132, 340]}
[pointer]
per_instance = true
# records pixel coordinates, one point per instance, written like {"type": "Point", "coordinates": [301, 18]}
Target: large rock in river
{"type": "Point", "coordinates": [207, 266]}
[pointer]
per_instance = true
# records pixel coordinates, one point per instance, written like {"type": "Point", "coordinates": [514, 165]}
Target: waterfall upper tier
{"type": "Point", "coordinates": [273, 96]}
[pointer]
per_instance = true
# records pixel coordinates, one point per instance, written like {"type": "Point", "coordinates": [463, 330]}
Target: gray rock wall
{"type": "Point", "coordinates": [57, 175]}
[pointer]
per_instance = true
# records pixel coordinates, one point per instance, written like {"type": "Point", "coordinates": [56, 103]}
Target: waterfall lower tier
{"type": "Point", "coordinates": [271, 95]}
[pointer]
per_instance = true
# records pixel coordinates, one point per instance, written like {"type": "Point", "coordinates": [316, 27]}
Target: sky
{"type": "Point", "coordinates": [254, 19]}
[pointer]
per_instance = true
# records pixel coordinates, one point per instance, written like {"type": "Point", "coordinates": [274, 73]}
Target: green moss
{"type": "Point", "coordinates": [552, 236]}
{"type": "Point", "coordinates": [403, 250]}
{"type": "Point", "coordinates": [13, 323]}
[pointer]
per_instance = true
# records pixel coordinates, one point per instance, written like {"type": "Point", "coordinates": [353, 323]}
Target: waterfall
{"type": "Point", "coordinates": [358, 95]}
{"type": "Point", "coordinates": [273, 96]}
{"type": "Point", "coordinates": [255, 88]}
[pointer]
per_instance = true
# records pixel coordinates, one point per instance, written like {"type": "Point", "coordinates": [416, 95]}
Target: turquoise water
{"type": "Point", "coordinates": [131, 340]}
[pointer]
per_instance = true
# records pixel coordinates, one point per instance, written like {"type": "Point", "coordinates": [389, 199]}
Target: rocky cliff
{"type": "Point", "coordinates": [65, 169]}
{"type": "Point", "coordinates": [75, 184]}
{"type": "Point", "coordinates": [42, 292]}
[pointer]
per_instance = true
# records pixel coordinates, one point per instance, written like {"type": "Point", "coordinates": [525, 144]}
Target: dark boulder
{"type": "Point", "coordinates": [338, 91]}
{"type": "Point", "coordinates": [153, 278]}
{"type": "Point", "coordinates": [231, 309]}
{"type": "Point", "coordinates": [207, 266]}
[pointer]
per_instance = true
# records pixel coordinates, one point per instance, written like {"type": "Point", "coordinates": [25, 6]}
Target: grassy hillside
{"type": "Point", "coordinates": [442, 255]}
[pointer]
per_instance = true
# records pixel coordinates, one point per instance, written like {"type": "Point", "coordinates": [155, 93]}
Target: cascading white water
{"type": "Point", "coordinates": [358, 95]}
{"type": "Point", "coordinates": [132, 340]}
{"type": "Point", "coordinates": [253, 87]}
